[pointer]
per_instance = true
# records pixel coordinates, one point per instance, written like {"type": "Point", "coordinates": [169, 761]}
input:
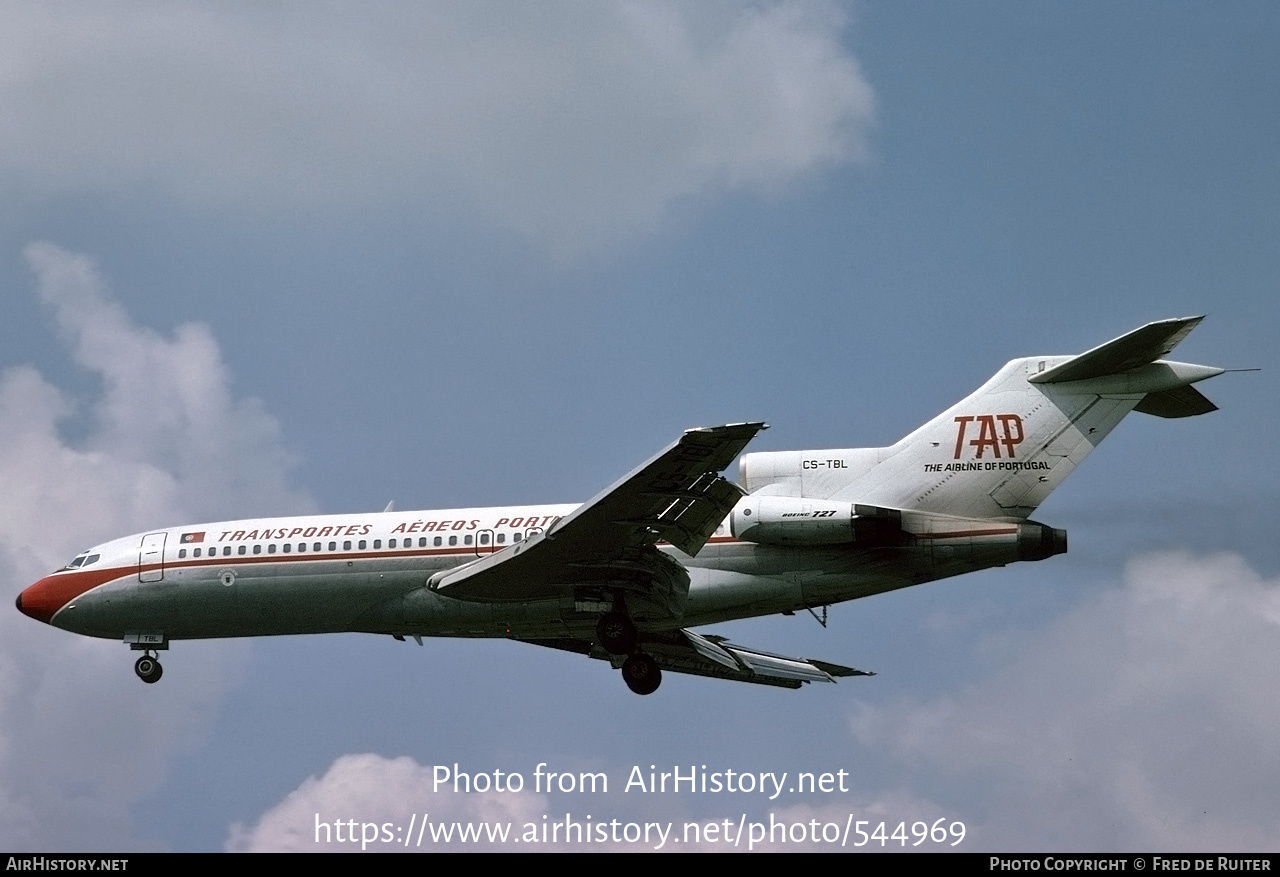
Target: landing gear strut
{"type": "Point", "coordinates": [148, 668]}
{"type": "Point", "coordinates": [641, 673]}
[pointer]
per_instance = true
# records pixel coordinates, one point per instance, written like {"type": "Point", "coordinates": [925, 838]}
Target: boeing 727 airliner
{"type": "Point", "coordinates": [672, 546]}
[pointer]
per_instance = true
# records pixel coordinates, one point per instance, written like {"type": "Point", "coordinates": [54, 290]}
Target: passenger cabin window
{"type": "Point", "coordinates": [422, 542]}
{"type": "Point", "coordinates": [302, 546]}
{"type": "Point", "coordinates": [377, 543]}
{"type": "Point", "coordinates": [438, 541]}
{"type": "Point", "coordinates": [346, 546]}
{"type": "Point", "coordinates": [271, 549]}
{"type": "Point", "coordinates": [317, 547]}
{"type": "Point", "coordinates": [467, 540]}
{"type": "Point", "coordinates": [226, 550]}
{"type": "Point", "coordinates": [516, 537]}
{"type": "Point", "coordinates": [257, 549]}
{"type": "Point", "coordinates": [453, 540]}
{"type": "Point", "coordinates": [242, 550]}
{"type": "Point", "coordinates": [333, 546]}
{"type": "Point", "coordinates": [182, 552]}
{"type": "Point", "coordinates": [286, 547]}
{"type": "Point", "coordinates": [502, 537]}
{"type": "Point", "coordinates": [362, 544]}
{"type": "Point", "coordinates": [196, 553]}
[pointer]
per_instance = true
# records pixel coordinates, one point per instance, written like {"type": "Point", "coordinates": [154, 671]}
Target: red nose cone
{"type": "Point", "coordinates": [46, 597]}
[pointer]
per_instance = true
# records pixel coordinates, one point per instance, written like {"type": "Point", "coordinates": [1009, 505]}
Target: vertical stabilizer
{"type": "Point", "coordinates": [1000, 451]}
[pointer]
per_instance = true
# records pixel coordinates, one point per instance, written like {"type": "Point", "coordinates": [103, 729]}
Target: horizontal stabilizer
{"type": "Point", "coordinates": [1139, 347]}
{"type": "Point", "coordinates": [1178, 402]}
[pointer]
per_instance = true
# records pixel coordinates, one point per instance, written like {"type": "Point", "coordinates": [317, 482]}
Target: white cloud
{"type": "Point", "coordinates": [80, 738]}
{"type": "Point", "coordinates": [1143, 719]}
{"type": "Point", "coordinates": [573, 123]}
{"type": "Point", "coordinates": [167, 407]}
{"type": "Point", "coordinates": [379, 796]}
{"type": "Point", "coordinates": [375, 798]}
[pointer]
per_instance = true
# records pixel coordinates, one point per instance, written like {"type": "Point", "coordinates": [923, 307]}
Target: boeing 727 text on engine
{"type": "Point", "coordinates": [672, 546]}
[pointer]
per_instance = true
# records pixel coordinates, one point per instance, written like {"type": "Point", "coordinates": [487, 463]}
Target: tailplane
{"type": "Point", "coordinates": [999, 452]}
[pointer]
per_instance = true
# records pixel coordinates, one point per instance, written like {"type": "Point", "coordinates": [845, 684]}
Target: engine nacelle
{"type": "Point", "coordinates": [790, 520]}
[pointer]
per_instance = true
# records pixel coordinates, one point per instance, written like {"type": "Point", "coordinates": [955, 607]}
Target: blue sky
{"type": "Point", "coordinates": [261, 260]}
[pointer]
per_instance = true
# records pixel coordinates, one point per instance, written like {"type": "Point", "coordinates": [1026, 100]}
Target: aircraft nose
{"type": "Point", "coordinates": [41, 600]}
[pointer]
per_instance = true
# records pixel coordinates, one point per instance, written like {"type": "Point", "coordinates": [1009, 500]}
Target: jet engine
{"type": "Point", "coordinates": [790, 520]}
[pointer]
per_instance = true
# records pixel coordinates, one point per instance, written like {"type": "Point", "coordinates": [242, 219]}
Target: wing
{"type": "Point", "coordinates": [687, 652]}
{"type": "Point", "coordinates": [678, 496]}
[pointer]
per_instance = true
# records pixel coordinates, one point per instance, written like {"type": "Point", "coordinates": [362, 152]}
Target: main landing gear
{"type": "Point", "coordinates": [641, 673]}
{"type": "Point", "coordinates": [617, 635]}
{"type": "Point", "coordinates": [148, 668]}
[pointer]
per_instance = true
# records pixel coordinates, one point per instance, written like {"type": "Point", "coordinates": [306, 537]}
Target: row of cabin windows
{"type": "Point", "coordinates": [287, 547]}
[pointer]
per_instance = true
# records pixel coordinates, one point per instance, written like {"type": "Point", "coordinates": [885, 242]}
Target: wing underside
{"type": "Point", "coordinates": [687, 652]}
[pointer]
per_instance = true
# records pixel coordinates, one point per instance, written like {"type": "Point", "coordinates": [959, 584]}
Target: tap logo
{"type": "Point", "coordinates": [1009, 433]}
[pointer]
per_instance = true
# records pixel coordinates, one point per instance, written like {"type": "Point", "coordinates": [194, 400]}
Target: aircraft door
{"type": "Point", "coordinates": [484, 543]}
{"type": "Point", "coordinates": [151, 558]}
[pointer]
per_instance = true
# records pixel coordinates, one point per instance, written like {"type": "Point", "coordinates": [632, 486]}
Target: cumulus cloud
{"type": "Point", "coordinates": [80, 738]}
{"type": "Point", "coordinates": [379, 801]}
{"type": "Point", "coordinates": [375, 798]}
{"type": "Point", "coordinates": [373, 792]}
{"type": "Point", "coordinates": [573, 123]}
{"type": "Point", "coordinates": [1143, 719]}
{"type": "Point", "coordinates": [167, 407]}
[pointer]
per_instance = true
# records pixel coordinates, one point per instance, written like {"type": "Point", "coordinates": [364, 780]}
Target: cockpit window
{"type": "Point", "coordinates": [82, 560]}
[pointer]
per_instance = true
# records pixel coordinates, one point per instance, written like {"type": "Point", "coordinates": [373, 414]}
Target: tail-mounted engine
{"type": "Point", "coordinates": [789, 520]}
{"type": "Point", "coordinates": [797, 521]}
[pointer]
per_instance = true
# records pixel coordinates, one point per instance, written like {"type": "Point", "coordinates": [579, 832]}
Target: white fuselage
{"type": "Point", "coordinates": [369, 572]}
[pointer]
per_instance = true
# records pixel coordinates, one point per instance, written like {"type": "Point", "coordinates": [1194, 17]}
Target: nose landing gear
{"type": "Point", "coordinates": [148, 668]}
{"type": "Point", "coordinates": [150, 643]}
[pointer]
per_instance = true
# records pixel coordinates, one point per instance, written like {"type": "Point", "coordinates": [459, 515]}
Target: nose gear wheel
{"type": "Point", "coordinates": [148, 668]}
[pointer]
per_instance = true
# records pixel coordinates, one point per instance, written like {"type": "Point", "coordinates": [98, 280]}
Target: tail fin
{"type": "Point", "coordinates": [999, 452]}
